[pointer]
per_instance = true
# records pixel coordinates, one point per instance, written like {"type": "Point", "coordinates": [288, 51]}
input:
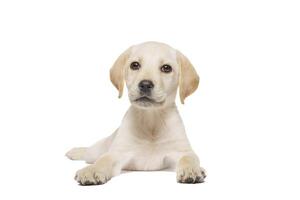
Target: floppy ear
{"type": "Point", "coordinates": [117, 71]}
{"type": "Point", "coordinates": [188, 77]}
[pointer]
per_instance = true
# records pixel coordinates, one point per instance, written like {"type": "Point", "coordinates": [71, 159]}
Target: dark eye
{"type": "Point", "coordinates": [135, 66]}
{"type": "Point", "coordinates": [166, 68]}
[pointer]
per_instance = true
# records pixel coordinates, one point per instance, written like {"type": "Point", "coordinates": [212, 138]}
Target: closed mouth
{"type": "Point", "coordinates": [145, 99]}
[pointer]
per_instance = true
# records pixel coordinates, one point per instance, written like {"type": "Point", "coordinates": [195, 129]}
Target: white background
{"type": "Point", "coordinates": [55, 94]}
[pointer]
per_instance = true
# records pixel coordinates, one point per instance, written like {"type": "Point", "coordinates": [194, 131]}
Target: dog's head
{"type": "Point", "coordinates": [152, 72]}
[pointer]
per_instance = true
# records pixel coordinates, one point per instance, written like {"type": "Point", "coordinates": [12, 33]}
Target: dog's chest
{"type": "Point", "coordinates": [149, 139]}
{"type": "Point", "coordinates": [148, 157]}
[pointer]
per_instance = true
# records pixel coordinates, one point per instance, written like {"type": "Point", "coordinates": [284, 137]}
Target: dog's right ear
{"type": "Point", "coordinates": [117, 71]}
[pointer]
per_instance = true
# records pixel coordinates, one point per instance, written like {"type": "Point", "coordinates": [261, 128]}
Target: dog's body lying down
{"type": "Point", "coordinates": [151, 135]}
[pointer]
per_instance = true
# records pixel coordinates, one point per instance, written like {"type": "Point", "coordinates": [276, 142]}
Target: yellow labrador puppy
{"type": "Point", "coordinates": [151, 135]}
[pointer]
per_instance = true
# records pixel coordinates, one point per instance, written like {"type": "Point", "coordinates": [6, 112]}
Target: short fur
{"type": "Point", "coordinates": [151, 135]}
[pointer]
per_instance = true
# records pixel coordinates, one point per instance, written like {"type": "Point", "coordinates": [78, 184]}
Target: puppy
{"type": "Point", "coordinates": [151, 135]}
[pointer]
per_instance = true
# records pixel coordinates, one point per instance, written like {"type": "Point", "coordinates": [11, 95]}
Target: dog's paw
{"type": "Point", "coordinates": [76, 153]}
{"type": "Point", "coordinates": [191, 174]}
{"type": "Point", "coordinates": [90, 176]}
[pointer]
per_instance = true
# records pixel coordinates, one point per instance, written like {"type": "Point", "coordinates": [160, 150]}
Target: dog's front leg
{"type": "Point", "coordinates": [188, 169]}
{"type": "Point", "coordinates": [102, 170]}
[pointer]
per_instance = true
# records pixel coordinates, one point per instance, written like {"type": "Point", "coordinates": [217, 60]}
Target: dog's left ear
{"type": "Point", "coordinates": [188, 77]}
{"type": "Point", "coordinates": [117, 71]}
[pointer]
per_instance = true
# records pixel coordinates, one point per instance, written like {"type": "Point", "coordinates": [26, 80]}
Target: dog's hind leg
{"type": "Point", "coordinates": [92, 153]}
{"type": "Point", "coordinates": [76, 153]}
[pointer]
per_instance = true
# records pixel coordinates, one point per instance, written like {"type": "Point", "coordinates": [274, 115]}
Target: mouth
{"type": "Point", "coordinates": [146, 101]}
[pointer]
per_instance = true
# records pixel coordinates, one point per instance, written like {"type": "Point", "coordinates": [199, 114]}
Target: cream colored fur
{"type": "Point", "coordinates": [151, 135]}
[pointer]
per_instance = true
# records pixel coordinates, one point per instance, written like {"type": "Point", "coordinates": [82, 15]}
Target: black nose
{"type": "Point", "coordinates": [146, 86]}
